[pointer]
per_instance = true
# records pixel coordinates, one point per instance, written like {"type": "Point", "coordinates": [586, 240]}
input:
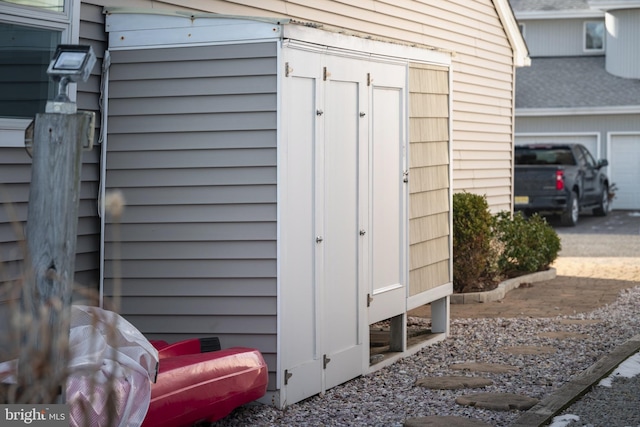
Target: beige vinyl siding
{"type": "Point", "coordinates": [483, 68]}
{"type": "Point", "coordinates": [428, 178]}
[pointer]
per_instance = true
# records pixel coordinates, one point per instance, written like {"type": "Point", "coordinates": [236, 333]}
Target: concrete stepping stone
{"type": "Point", "coordinates": [529, 349]}
{"type": "Point", "coordinates": [443, 421]}
{"type": "Point", "coordinates": [563, 335]}
{"type": "Point", "coordinates": [493, 368]}
{"type": "Point", "coordinates": [498, 401]}
{"type": "Point", "coordinates": [453, 382]}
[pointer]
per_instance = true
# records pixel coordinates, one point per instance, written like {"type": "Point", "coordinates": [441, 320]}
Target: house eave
{"type": "Point", "coordinates": [520, 51]}
{"type": "Point", "coordinates": [607, 5]}
{"type": "Point", "coordinates": [577, 111]}
{"type": "Point", "coordinates": [558, 14]}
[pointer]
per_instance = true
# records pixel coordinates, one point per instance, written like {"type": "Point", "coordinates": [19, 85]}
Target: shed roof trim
{"type": "Point", "coordinates": [196, 15]}
{"type": "Point", "coordinates": [136, 28]}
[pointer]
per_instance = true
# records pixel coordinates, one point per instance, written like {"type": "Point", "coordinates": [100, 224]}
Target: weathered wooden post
{"type": "Point", "coordinates": [59, 135]}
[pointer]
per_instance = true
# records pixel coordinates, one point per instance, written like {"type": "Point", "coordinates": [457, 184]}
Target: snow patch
{"type": "Point", "coordinates": [627, 369]}
{"type": "Point", "coordinates": [563, 420]}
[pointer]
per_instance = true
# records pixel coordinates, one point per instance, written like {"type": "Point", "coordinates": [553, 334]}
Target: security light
{"type": "Point", "coordinates": [70, 63]}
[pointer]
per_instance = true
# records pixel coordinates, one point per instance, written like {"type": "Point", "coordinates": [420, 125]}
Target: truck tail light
{"type": "Point", "coordinates": [560, 180]}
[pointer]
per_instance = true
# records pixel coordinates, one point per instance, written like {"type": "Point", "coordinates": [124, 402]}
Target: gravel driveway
{"type": "Point", "coordinates": [616, 235]}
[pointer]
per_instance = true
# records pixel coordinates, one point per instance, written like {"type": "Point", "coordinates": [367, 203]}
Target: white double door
{"type": "Point", "coordinates": [343, 220]}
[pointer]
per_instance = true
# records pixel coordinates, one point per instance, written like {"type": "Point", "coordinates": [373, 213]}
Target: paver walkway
{"type": "Point", "coordinates": [588, 277]}
{"type": "Point", "coordinates": [581, 285]}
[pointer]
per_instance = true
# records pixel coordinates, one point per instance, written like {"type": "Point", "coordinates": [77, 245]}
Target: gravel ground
{"type": "Point", "coordinates": [389, 396]}
{"type": "Point", "coordinates": [618, 405]}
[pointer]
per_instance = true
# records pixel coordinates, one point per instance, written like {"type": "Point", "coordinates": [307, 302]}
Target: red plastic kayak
{"type": "Point", "coordinates": [196, 384]}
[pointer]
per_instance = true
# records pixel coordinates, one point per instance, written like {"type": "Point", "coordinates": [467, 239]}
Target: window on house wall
{"type": "Point", "coordinates": [24, 57]}
{"type": "Point", "coordinates": [593, 36]}
{"type": "Point", "coordinates": [30, 30]}
{"type": "Point", "coordinates": [50, 5]}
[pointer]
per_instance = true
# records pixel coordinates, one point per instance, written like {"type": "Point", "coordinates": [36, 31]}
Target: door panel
{"type": "Point", "coordinates": [301, 360]}
{"type": "Point", "coordinates": [340, 288]}
{"type": "Point", "coordinates": [624, 160]}
{"type": "Point", "coordinates": [387, 288]}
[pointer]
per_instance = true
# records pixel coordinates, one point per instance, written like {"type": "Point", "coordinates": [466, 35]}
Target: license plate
{"type": "Point", "coordinates": [521, 200]}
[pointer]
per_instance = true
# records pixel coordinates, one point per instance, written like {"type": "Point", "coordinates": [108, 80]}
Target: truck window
{"type": "Point", "coordinates": [588, 158]}
{"type": "Point", "coordinates": [544, 156]}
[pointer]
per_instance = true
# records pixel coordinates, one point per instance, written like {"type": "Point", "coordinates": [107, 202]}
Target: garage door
{"type": "Point", "coordinates": [624, 172]}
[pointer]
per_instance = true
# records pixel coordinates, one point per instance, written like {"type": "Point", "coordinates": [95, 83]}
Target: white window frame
{"type": "Point", "coordinates": [584, 36]}
{"type": "Point", "coordinates": [67, 22]}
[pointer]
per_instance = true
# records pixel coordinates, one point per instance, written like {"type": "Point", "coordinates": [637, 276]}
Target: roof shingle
{"type": "Point", "coordinates": [548, 5]}
{"type": "Point", "coordinates": [573, 82]}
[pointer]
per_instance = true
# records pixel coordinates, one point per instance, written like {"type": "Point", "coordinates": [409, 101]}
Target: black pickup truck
{"type": "Point", "coordinates": [559, 179]}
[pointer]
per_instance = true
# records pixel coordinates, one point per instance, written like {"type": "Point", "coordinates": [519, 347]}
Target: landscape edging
{"type": "Point", "coordinates": [499, 293]}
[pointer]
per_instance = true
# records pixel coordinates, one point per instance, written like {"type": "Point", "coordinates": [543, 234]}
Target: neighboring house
{"type": "Point", "coordinates": [583, 84]}
{"type": "Point", "coordinates": [288, 169]}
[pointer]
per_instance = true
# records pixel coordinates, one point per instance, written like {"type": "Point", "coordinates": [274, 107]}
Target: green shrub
{"type": "Point", "coordinates": [473, 253]}
{"type": "Point", "coordinates": [527, 245]}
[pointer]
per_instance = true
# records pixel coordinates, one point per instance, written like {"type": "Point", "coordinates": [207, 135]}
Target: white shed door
{"type": "Point", "coordinates": [341, 214]}
{"type": "Point", "coordinates": [624, 160]}
{"type": "Point", "coordinates": [387, 283]}
{"type": "Point", "coordinates": [300, 351]}
{"type": "Point", "coordinates": [339, 186]}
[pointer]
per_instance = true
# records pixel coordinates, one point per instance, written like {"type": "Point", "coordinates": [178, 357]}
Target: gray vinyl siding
{"type": "Point", "coordinates": [623, 56]}
{"type": "Point", "coordinates": [557, 37]}
{"type": "Point", "coordinates": [192, 146]}
{"type": "Point", "coordinates": [92, 33]}
{"type": "Point", "coordinates": [88, 247]}
{"type": "Point", "coordinates": [15, 175]}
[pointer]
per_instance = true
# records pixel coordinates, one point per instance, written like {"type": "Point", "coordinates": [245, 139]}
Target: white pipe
{"type": "Point", "coordinates": [106, 63]}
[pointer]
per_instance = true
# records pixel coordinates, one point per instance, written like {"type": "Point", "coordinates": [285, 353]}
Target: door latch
{"type": "Point", "coordinates": [319, 239]}
{"type": "Point", "coordinates": [325, 361]}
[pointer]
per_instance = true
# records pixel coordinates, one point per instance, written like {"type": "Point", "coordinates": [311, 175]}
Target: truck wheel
{"type": "Point", "coordinates": [603, 208]}
{"type": "Point", "coordinates": [570, 216]}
